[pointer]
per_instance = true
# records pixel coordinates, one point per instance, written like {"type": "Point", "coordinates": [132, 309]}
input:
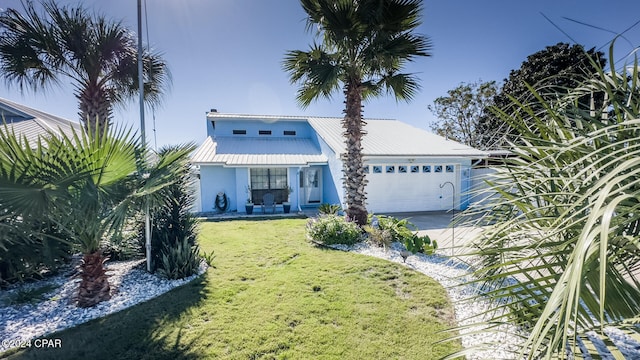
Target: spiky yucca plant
{"type": "Point", "coordinates": [561, 248]}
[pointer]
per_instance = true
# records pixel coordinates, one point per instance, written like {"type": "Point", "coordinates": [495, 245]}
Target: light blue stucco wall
{"type": "Point", "coordinates": [233, 182]}
{"type": "Point", "coordinates": [465, 186]}
{"type": "Point", "coordinates": [214, 179]}
{"type": "Point", "coordinates": [333, 192]}
{"type": "Point", "coordinates": [225, 127]}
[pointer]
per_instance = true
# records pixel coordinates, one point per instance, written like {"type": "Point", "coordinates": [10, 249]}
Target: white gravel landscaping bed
{"type": "Point", "coordinates": [130, 285]}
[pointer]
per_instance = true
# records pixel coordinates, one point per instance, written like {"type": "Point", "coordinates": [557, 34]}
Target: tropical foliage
{"type": "Point", "coordinates": [180, 260]}
{"type": "Point", "coordinates": [87, 186]}
{"type": "Point", "coordinates": [561, 248]}
{"type": "Point", "coordinates": [174, 227]}
{"type": "Point", "coordinates": [98, 56]}
{"type": "Point", "coordinates": [364, 46]}
{"type": "Point", "coordinates": [29, 249]}
{"type": "Point", "coordinates": [383, 229]}
{"type": "Point", "coordinates": [329, 209]}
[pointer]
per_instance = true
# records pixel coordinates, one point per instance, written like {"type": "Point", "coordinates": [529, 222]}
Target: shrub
{"type": "Point", "coordinates": [399, 229]}
{"type": "Point", "coordinates": [122, 247]}
{"type": "Point", "coordinates": [179, 261]}
{"type": "Point", "coordinates": [173, 222]}
{"type": "Point", "coordinates": [333, 229]}
{"type": "Point", "coordinates": [29, 248]}
{"type": "Point", "coordinates": [420, 244]}
{"type": "Point", "coordinates": [30, 296]}
{"type": "Point", "coordinates": [329, 209]}
{"type": "Point", "coordinates": [378, 237]}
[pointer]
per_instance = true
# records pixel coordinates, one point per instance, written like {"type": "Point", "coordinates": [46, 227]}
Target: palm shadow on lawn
{"type": "Point", "coordinates": [135, 333]}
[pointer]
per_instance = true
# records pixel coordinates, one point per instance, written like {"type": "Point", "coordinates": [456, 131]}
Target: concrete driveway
{"type": "Point", "coordinates": [437, 224]}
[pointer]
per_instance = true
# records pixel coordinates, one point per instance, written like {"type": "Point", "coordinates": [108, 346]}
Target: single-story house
{"type": "Point", "coordinates": [32, 123]}
{"type": "Point", "coordinates": [297, 159]}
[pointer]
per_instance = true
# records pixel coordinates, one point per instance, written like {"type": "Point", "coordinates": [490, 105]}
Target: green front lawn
{"type": "Point", "coordinates": [272, 295]}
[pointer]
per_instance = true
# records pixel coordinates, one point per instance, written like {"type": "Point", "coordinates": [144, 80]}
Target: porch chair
{"type": "Point", "coordinates": [268, 201]}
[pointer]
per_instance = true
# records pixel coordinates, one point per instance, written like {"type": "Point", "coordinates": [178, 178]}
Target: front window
{"type": "Point", "coordinates": [269, 180]}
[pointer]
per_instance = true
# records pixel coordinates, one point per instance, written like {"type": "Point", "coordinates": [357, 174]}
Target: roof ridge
{"type": "Point", "coordinates": [297, 117]}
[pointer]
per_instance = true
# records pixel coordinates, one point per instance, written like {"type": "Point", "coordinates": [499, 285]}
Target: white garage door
{"type": "Point", "coordinates": [410, 187]}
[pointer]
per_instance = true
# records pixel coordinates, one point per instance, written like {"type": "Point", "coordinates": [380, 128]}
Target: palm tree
{"type": "Point", "coordinates": [560, 251]}
{"type": "Point", "coordinates": [365, 44]}
{"type": "Point", "coordinates": [86, 185]}
{"type": "Point", "coordinates": [97, 55]}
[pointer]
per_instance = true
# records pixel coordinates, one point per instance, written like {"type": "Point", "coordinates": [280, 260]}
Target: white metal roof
{"type": "Point", "coordinates": [392, 138]}
{"type": "Point", "coordinates": [32, 123]}
{"type": "Point", "coordinates": [252, 151]}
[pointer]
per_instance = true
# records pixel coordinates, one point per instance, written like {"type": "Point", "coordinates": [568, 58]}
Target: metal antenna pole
{"type": "Point", "coordinates": [140, 75]}
{"type": "Point", "coordinates": [453, 212]}
{"type": "Point", "coordinates": [147, 221]}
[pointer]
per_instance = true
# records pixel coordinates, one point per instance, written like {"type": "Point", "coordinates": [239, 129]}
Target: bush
{"type": "Point", "coordinates": [29, 249]}
{"type": "Point", "coordinates": [179, 261]}
{"type": "Point", "coordinates": [329, 209]}
{"type": "Point", "coordinates": [121, 247]}
{"type": "Point", "coordinates": [399, 229]}
{"type": "Point", "coordinates": [378, 237]}
{"type": "Point", "coordinates": [333, 229]}
{"type": "Point", "coordinates": [173, 223]}
{"type": "Point", "coordinates": [420, 244]}
{"type": "Point", "coordinates": [388, 229]}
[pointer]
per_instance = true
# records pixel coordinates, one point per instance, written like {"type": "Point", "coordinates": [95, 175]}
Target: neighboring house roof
{"type": "Point", "coordinates": [392, 138]}
{"type": "Point", "coordinates": [32, 123]}
{"type": "Point", "coordinates": [232, 151]}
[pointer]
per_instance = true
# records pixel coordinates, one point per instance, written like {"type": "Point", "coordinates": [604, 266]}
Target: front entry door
{"type": "Point", "coordinates": [311, 185]}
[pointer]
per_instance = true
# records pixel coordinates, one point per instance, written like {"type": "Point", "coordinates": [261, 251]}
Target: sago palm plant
{"type": "Point", "coordinates": [87, 185]}
{"type": "Point", "coordinates": [560, 250]}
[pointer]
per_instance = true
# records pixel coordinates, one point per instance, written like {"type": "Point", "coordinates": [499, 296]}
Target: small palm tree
{"type": "Point", "coordinates": [97, 55]}
{"type": "Point", "coordinates": [560, 252]}
{"type": "Point", "coordinates": [87, 185]}
{"type": "Point", "coordinates": [365, 44]}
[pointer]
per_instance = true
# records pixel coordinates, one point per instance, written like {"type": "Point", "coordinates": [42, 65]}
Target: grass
{"type": "Point", "coordinates": [272, 295]}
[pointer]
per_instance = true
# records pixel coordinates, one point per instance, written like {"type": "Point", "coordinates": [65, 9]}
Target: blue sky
{"type": "Point", "coordinates": [227, 54]}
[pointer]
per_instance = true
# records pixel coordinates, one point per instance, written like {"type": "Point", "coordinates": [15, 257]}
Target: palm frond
{"type": "Point", "coordinates": [561, 250]}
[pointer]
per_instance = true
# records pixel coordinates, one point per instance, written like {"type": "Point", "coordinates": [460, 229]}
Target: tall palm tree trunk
{"type": "Point", "coordinates": [354, 176]}
{"type": "Point", "coordinates": [95, 108]}
{"type": "Point", "coordinates": [94, 286]}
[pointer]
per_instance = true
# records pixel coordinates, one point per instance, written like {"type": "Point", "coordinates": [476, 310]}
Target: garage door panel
{"type": "Point", "coordinates": [400, 192]}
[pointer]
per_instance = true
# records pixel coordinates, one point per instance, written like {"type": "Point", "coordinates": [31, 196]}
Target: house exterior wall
{"type": "Point", "coordinates": [333, 192]}
{"type": "Point", "coordinates": [233, 181]}
{"type": "Point", "coordinates": [224, 127]}
{"type": "Point", "coordinates": [242, 188]}
{"type": "Point", "coordinates": [397, 194]}
{"type": "Point", "coordinates": [408, 187]}
{"type": "Point", "coordinates": [479, 191]}
{"type": "Point", "coordinates": [215, 179]}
